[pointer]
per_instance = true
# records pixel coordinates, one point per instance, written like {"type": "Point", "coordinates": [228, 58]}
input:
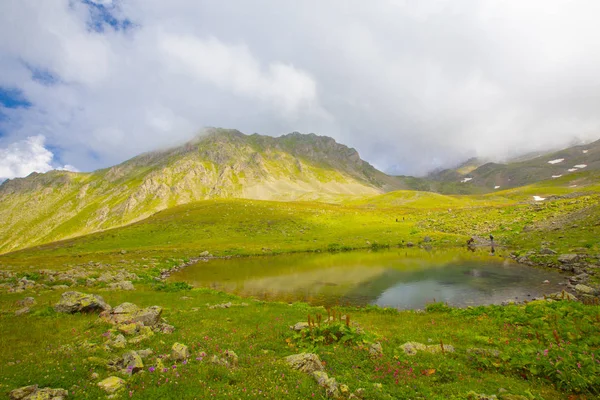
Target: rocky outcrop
{"type": "Point", "coordinates": [112, 384]}
{"type": "Point", "coordinates": [179, 352]}
{"type": "Point", "coordinates": [128, 313]}
{"type": "Point", "coordinates": [72, 302]}
{"type": "Point", "coordinates": [34, 393]}
{"type": "Point", "coordinates": [305, 362]}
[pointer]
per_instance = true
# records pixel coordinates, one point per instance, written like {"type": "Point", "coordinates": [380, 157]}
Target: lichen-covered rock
{"type": "Point", "coordinates": [179, 352]}
{"type": "Point", "coordinates": [127, 313]}
{"type": "Point", "coordinates": [72, 302]}
{"type": "Point", "coordinates": [305, 362]}
{"type": "Point", "coordinates": [124, 285]}
{"type": "Point", "coordinates": [331, 386]}
{"type": "Point", "coordinates": [411, 348]}
{"type": "Point", "coordinates": [483, 352]}
{"type": "Point", "coordinates": [299, 326]}
{"type": "Point", "coordinates": [132, 362]}
{"type": "Point", "coordinates": [128, 329]}
{"type": "Point", "coordinates": [119, 342]}
{"type": "Point", "coordinates": [568, 258]}
{"type": "Point", "coordinates": [584, 289]}
{"type": "Point", "coordinates": [34, 393]}
{"type": "Point", "coordinates": [27, 301]}
{"type": "Point", "coordinates": [112, 384]}
{"type": "Point", "coordinates": [163, 328]}
{"type": "Point", "coordinates": [562, 296]}
{"type": "Point", "coordinates": [22, 311]}
{"type": "Point", "coordinates": [375, 350]}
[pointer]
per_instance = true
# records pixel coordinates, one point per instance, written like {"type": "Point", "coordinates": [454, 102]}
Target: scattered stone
{"type": "Point", "coordinates": [568, 258]}
{"type": "Point", "coordinates": [72, 302]}
{"type": "Point", "coordinates": [145, 332]}
{"type": "Point", "coordinates": [132, 363]}
{"type": "Point", "coordinates": [410, 244]}
{"type": "Point", "coordinates": [111, 384]}
{"type": "Point", "coordinates": [483, 352]}
{"type": "Point", "coordinates": [145, 353]}
{"type": "Point", "coordinates": [128, 329]}
{"type": "Point", "coordinates": [305, 362]}
{"type": "Point", "coordinates": [224, 305]}
{"type": "Point", "coordinates": [118, 342]}
{"type": "Point", "coordinates": [564, 295]}
{"type": "Point", "coordinates": [330, 384]}
{"type": "Point", "coordinates": [584, 289]}
{"type": "Point", "coordinates": [59, 287]}
{"type": "Point", "coordinates": [547, 251]}
{"type": "Point", "coordinates": [34, 393]}
{"type": "Point", "coordinates": [375, 350]}
{"type": "Point", "coordinates": [163, 328]}
{"type": "Point", "coordinates": [22, 311]}
{"type": "Point", "coordinates": [179, 352]}
{"type": "Point", "coordinates": [27, 301]}
{"type": "Point", "coordinates": [546, 281]}
{"type": "Point", "coordinates": [125, 285]}
{"type": "Point", "coordinates": [205, 254]}
{"type": "Point", "coordinates": [412, 348]}
{"type": "Point", "coordinates": [427, 239]}
{"type": "Point", "coordinates": [477, 396]}
{"type": "Point", "coordinates": [299, 326]}
{"type": "Point", "coordinates": [513, 397]}
{"type": "Point", "coordinates": [94, 376]}
{"type": "Point", "coordinates": [130, 313]}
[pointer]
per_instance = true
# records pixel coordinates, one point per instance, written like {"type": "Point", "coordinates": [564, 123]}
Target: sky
{"type": "Point", "coordinates": [413, 85]}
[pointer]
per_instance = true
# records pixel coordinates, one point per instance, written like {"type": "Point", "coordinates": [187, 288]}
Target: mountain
{"type": "Point", "coordinates": [216, 164]}
{"type": "Point", "coordinates": [525, 170]}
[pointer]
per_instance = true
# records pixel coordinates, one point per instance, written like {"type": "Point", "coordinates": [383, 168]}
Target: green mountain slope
{"type": "Point", "coordinates": [527, 170]}
{"type": "Point", "coordinates": [219, 164]}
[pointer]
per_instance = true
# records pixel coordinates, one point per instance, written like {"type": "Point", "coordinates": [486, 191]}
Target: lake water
{"type": "Point", "coordinates": [401, 279]}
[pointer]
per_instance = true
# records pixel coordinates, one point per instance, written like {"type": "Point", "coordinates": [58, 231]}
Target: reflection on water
{"type": "Point", "coordinates": [401, 279]}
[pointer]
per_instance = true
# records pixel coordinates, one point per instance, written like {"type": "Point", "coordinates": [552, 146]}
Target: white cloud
{"type": "Point", "coordinates": [417, 87]}
{"type": "Point", "coordinates": [26, 156]}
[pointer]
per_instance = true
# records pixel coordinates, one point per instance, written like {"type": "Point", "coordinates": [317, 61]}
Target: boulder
{"type": "Point", "coordinates": [375, 350]}
{"type": "Point", "coordinates": [128, 313]}
{"type": "Point", "coordinates": [22, 311]}
{"type": "Point", "coordinates": [119, 342]}
{"type": "Point", "coordinates": [128, 329]}
{"type": "Point", "coordinates": [568, 258]}
{"type": "Point", "coordinates": [27, 301]}
{"type": "Point", "coordinates": [411, 348]}
{"type": "Point", "coordinates": [299, 326]}
{"type": "Point", "coordinates": [584, 289]}
{"type": "Point", "coordinates": [34, 393]}
{"type": "Point", "coordinates": [547, 251]}
{"type": "Point", "coordinates": [72, 302]}
{"type": "Point", "coordinates": [305, 362]}
{"type": "Point", "coordinates": [124, 285]}
{"type": "Point", "coordinates": [332, 388]}
{"type": "Point", "coordinates": [179, 352]}
{"type": "Point", "coordinates": [132, 362]}
{"type": "Point", "coordinates": [562, 296]}
{"type": "Point", "coordinates": [112, 384]}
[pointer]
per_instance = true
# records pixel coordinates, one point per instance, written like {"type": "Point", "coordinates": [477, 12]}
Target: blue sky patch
{"type": "Point", "coordinates": [13, 98]}
{"type": "Point", "coordinates": [43, 76]}
{"type": "Point", "coordinates": [102, 16]}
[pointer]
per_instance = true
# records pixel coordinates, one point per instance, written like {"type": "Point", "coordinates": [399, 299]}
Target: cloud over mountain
{"type": "Point", "coordinates": [411, 86]}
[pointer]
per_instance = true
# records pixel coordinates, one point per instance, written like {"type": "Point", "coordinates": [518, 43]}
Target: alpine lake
{"type": "Point", "coordinates": [401, 278]}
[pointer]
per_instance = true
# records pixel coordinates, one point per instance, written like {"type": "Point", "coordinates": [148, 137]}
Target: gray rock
{"type": "Point", "coordinates": [145, 353]}
{"type": "Point", "coordinates": [27, 301]}
{"type": "Point", "coordinates": [564, 295]}
{"type": "Point", "coordinates": [179, 352]}
{"type": "Point", "coordinates": [124, 285]}
{"type": "Point", "coordinates": [34, 393]}
{"type": "Point", "coordinates": [299, 326]}
{"type": "Point", "coordinates": [427, 239]}
{"type": "Point", "coordinates": [305, 362]}
{"type": "Point", "coordinates": [130, 313]}
{"type": "Point", "coordinates": [332, 388]}
{"type": "Point", "coordinates": [112, 384]}
{"type": "Point", "coordinates": [584, 289]}
{"type": "Point", "coordinates": [375, 350]}
{"type": "Point", "coordinates": [547, 251]}
{"type": "Point", "coordinates": [72, 302]}
{"type": "Point", "coordinates": [568, 258]}
{"type": "Point", "coordinates": [22, 311]}
{"type": "Point", "coordinates": [483, 352]}
{"type": "Point", "coordinates": [132, 363]}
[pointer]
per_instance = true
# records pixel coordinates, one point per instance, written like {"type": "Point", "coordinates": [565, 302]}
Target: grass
{"type": "Point", "coordinates": [51, 354]}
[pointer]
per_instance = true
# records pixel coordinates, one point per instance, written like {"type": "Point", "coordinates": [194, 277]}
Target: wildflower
{"type": "Point", "coordinates": [546, 352]}
{"type": "Point", "coordinates": [579, 365]}
{"type": "Point", "coordinates": [151, 369]}
{"type": "Point", "coordinates": [174, 367]}
{"type": "Point", "coordinates": [184, 362]}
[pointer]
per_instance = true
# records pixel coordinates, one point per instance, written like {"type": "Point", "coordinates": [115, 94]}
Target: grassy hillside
{"type": "Point", "coordinates": [219, 164]}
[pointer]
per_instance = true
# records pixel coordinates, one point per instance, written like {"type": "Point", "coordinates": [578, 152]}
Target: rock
{"type": "Point", "coordinates": [163, 328]}
{"type": "Point", "coordinates": [94, 376]}
{"type": "Point", "coordinates": [60, 287]}
{"type": "Point", "coordinates": [305, 362]}
{"type": "Point", "coordinates": [514, 397]}
{"type": "Point", "coordinates": [410, 244]}
{"type": "Point", "coordinates": [561, 296]}
{"type": "Point", "coordinates": [179, 352]}
{"type": "Point", "coordinates": [584, 289]}
{"type": "Point", "coordinates": [437, 348]}
{"type": "Point", "coordinates": [232, 358]}
{"type": "Point", "coordinates": [72, 302]}
{"type": "Point", "coordinates": [299, 326]}
{"type": "Point", "coordinates": [476, 396]}
{"type": "Point", "coordinates": [411, 348]}
{"type": "Point", "coordinates": [224, 305]}
{"type": "Point", "coordinates": [27, 301]}
{"type": "Point", "coordinates": [111, 384]}
{"type": "Point", "coordinates": [547, 251]}
{"type": "Point", "coordinates": [34, 393]}
{"type": "Point", "coordinates": [128, 329]}
{"type": "Point", "coordinates": [375, 350]}
{"type": "Point", "coordinates": [132, 362]}
{"type": "Point", "coordinates": [205, 254]}
{"type": "Point", "coordinates": [427, 239]}
{"type": "Point", "coordinates": [119, 342]}
{"type": "Point", "coordinates": [568, 258]}
{"type": "Point", "coordinates": [330, 384]}
{"type": "Point", "coordinates": [22, 311]}
{"type": "Point", "coordinates": [483, 352]}
{"type": "Point", "coordinates": [145, 353]}
{"type": "Point", "coordinates": [127, 313]}
{"type": "Point", "coordinates": [145, 332]}
{"type": "Point", "coordinates": [125, 285]}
